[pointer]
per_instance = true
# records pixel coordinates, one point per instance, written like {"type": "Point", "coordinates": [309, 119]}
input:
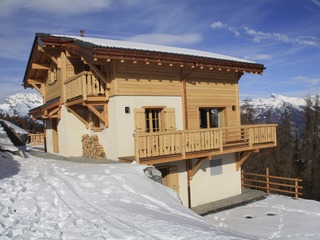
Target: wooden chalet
{"type": "Point", "coordinates": [177, 109]}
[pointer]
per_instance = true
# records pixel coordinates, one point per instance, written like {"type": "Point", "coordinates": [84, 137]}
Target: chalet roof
{"type": "Point", "coordinates": [90, 42]}
{"type": "Point", "coordinates": [97, 49]}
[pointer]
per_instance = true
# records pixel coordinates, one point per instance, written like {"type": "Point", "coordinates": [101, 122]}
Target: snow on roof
{"type": "Point", "coordinates": [107, 43]}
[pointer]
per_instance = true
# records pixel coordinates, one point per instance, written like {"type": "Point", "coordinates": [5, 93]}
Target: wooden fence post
{"type": "Point", "coordinates": [268, 180]}
{"type": "Point", "coordinates": [296, 188]}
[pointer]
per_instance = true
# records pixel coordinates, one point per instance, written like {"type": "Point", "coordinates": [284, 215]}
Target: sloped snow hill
{"type": "Point", "coordinates": [19, 104]}
{"type": "Point", "coordinates": [56, 199]}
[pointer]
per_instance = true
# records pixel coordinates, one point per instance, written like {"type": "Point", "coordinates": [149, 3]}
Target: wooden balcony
{"type": "Point", "coordinates": [86, 92]}
{"type": "Point", "coordinates": [159, 147]}
{"type": "Point", "coordinates": [86, 86]}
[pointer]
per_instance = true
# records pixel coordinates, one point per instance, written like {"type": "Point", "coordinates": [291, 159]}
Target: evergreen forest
{"type": "Point", "coordinates": [298, 152]}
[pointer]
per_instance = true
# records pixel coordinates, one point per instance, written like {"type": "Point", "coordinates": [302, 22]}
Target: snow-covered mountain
{"type": "Point", "coordinates": [275, 106]}
{"type": "Point", "coordinates": [19, 104]}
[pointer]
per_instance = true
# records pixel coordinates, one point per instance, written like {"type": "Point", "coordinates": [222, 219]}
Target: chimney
{"type": "Point", "coordinates": [81, 33]}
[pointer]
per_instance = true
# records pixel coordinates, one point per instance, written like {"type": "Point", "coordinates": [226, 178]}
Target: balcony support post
{"type": "Point", "coordinates": [195, 168]}
{"type": "Point", "coordinates": [188, 167]}
{"type": "Point", "coordinates": [241, 157]}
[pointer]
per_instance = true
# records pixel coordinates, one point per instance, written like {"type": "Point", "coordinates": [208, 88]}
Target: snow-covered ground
{"type": "Point", "coordinates": [276, 217]}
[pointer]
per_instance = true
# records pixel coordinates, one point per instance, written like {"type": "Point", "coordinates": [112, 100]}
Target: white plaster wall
{"type": "Point", "coordinates": [70, 130]}
{"type": "Point", "coordinates": [206, 188]}
{"type": "Point", "coordinates": [118, 138]}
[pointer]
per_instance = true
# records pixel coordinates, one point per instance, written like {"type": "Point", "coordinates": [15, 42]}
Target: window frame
{"type": "Point", "coordinates": [208, 116]}
{"type": "Point", "coordinates": [151, 120]}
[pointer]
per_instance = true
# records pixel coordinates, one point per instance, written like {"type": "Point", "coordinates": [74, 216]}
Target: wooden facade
{"type": "Point", "coordinates": [83, 78]}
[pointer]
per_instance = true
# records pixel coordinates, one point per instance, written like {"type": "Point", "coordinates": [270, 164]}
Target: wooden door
{"type": "Point", "coordinates": [55, 135]}
{"type": "Point", "coordinates": [170, 177]}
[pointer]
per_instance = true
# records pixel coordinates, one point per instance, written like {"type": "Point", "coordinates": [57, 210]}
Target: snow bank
{"type": "Point", "coordinates": [55, 199]}
{"type": "Point", "coordinates": [15, 127]}
{"type": "Point", "coordinates": [5, 142]}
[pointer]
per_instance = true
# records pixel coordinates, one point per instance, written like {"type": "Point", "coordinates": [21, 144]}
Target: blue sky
{"type": "Point", "coordinates": [284, 35]}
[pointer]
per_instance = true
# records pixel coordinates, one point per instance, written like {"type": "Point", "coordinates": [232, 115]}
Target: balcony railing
{"type": "Point", "coordinates": [36, 139]}
{"type": "Point", "coordinates": [185, 144]}
{"type": "Point", "coordinates": [83, 85]}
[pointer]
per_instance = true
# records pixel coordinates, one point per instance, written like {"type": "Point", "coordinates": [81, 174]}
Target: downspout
{"type": "Point", "coordinates": [186, 126]}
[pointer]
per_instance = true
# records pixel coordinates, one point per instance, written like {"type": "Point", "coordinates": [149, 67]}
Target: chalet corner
{"type": "Point", "coordinates": [174, 108]}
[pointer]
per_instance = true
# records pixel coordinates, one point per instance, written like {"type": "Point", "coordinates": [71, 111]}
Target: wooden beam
{"type": "Point", "coordinates": [41, 49]}
{"type": "Point", "coordinates": [241, 158]}
{"type": "Point", "coordinates": [35, 81]}
{"type": "Point", "coordinates": [96, 71]}
{"type": "Point", "coordinates": [40, 66]}
{"type": "Point", "coordinates": [106, 115]}
{"type": "Point", "coordinates": [40, 88]}
{"type": "Point", "coordinates": [195, 168]}
{"type": "Point", "coordinates": [96, 112]}
{"type": "Point", "coordinates": [84, 121]}
{"type": "Point", "coordinates": [51, 114]}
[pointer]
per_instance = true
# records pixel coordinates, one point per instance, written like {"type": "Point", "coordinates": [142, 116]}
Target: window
{"type": "Point", "coordinates": [153, 123]}
{"type": "Point", "coordinates": [209, 117]}
{"type": "Point", "coordinates": [154, 119]}
{"type": "Point", "coordinates": [52, 75]}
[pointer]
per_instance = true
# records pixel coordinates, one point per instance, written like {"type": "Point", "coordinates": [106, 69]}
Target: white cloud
{"type": "Point", "coordinates": [217, 25]}
{"type": "Point", "coordinates": [259, 57]}
{"type": "Point", "coordinates": [75, 7]}
{"type": "Point", "coordinates": [258, 36]}
{"type": "Point", "coordinates": [311, 81]}
{"type": "Point", "coordinates": [167, 39]}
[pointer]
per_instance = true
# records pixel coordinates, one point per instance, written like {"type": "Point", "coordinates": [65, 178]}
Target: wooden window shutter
{"type": "Point", "coordinates": [139, 120]}
{"type": "Point", "coordinates": [169, 119]}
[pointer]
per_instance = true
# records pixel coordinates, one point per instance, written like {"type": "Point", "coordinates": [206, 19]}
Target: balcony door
{"type": "Point", "coordinates": [170, 177]}
{"type": "Point", "coordinates": [210, 117]}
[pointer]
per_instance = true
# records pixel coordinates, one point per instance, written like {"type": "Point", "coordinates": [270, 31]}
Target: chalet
{"type": "Point", "coordinates": [174, 108]}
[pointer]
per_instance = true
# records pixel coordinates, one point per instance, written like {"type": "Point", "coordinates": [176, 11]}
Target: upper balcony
{"type": "Point", "coordinates": [85, 86]}
{"type": "Point", "coordinates": [161, 147]}
{"type": "Point", "coordinates": [86, 92]}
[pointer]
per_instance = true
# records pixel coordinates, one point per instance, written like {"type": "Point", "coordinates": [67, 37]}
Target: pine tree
{"type": "Point", "coordinates": [307, 153]}
{"type": "Point", "coordinates": [316, 149]}
{"type": "Point", "coordinates": [285, 150]}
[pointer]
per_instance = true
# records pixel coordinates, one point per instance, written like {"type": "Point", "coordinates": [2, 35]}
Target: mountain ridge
{"type": "Point", "coordinates": [19, 104]}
